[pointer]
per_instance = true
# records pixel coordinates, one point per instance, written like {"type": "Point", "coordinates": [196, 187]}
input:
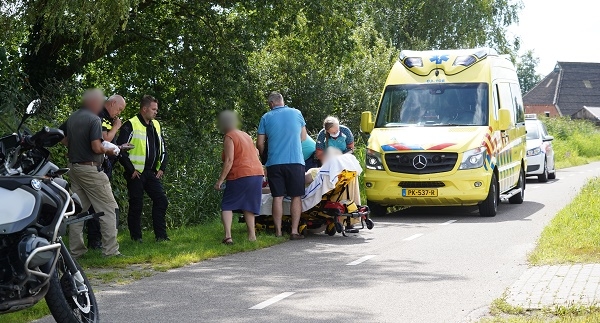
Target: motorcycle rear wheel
{"type": "Point", "coordinates": [61, 303]}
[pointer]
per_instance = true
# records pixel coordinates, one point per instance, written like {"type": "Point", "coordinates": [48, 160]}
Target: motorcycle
{"type": "Point", "coordinates": [36, 207]}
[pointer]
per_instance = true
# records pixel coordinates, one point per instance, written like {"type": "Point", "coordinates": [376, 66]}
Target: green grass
{"type": "Point", "coordinates": [574, 234]}
{"type": "Point", "coordinates": [502, 312]}
{"type": "Point", "coordinates": [188, 245]}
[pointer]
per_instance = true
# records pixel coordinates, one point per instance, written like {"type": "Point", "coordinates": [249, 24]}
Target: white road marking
{"type": "Point", "coordinates": [570, 175]}
{"type": "Point", "coordinates": [448, 222]}
{"type": "Point", "coordinates": [413, 237]}
{"type": "Point", "coordinates": [360, 260]}
{"type": "Point", "coordinates": [271, 301]}
{"type": "Point", "coordinates": [534, 186]}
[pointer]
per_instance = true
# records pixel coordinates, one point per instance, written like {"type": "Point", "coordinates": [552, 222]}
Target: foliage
{"type": "Point", "coordinates": [575, 141]}
{"type": "Point", "coordinates": [201, 57]}
{"type": "Point", "coordinates": [528, 77]}
{"type": "Point", "coordinates": [573, 235]}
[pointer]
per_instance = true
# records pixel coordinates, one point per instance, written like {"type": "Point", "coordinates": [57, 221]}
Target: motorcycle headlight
{"type": "Point", "coordinates": [473, 158]}
{"type": "Point", "coordinates": [534, 152]}
{"type": "Point", "coordinates": [373, 160]}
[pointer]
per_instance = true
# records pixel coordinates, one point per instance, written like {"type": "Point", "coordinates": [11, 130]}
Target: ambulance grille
{"type": "Point", "coordinates": [412, 162]}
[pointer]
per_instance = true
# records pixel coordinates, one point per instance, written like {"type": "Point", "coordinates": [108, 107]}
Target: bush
{"type": "Point", "coordinates": [576, 141]}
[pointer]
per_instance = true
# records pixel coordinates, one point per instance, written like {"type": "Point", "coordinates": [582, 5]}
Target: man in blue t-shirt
{"type": "Point", "coordinates": [284, 128]}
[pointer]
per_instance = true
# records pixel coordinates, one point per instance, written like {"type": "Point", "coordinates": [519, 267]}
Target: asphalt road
{"type": "Point", "coordinates": [420, 265]}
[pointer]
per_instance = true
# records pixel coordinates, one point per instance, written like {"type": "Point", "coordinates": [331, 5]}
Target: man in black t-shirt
{"type": "Point", "coordinates": [83, 137]}
{"type": "Point", "coordinates": [110, 126]}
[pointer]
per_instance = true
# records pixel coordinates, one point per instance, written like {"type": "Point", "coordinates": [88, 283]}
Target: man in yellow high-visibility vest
{"type": "Point", "coordinates": [145, 165]}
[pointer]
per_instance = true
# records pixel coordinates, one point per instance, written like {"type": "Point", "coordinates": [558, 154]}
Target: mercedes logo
{"type": "Point", "coordinates": [419, 162]}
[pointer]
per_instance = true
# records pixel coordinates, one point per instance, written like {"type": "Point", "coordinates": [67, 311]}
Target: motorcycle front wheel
{"type": "Point", "coordinates": [65, 304]}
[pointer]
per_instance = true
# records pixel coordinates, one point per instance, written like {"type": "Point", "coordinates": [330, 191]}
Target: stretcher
{"type": "Point", "coordinates": [331, 203]}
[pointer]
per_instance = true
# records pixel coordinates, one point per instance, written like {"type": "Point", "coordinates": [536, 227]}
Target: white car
{"type": "Point", "coordinates": [540, 155]}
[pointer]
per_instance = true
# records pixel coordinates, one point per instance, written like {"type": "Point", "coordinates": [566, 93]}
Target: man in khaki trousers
{"type": "Point", "coordinates": [83, 131]}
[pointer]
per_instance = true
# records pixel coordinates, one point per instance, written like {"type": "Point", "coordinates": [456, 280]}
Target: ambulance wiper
{"type": "Point", "coordinates": [394, 124]}
{"type": "Point", "coordinates": [444, 125]}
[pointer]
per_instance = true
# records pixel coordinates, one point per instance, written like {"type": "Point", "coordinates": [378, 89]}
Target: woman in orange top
{"type": "Point", "coordinates": [244, 174]}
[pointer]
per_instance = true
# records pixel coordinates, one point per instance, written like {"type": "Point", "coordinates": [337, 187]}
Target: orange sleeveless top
{"type": "Point", "coordinates": [245, 156]}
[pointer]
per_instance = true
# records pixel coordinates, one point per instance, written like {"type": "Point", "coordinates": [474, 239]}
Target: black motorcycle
{"type": "Point", "coordinates": [35, 209]}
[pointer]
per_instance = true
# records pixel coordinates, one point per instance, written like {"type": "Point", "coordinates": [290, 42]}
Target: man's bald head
{"type": "Point", "coordinates": [93, 100]}
{"type": "Point", "coordinates": [115, 105]}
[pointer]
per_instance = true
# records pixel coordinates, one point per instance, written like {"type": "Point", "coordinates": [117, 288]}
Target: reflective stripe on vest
{"type": "Point", "coordinates": [138, 138]}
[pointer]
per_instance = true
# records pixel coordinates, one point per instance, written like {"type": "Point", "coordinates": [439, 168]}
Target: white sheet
{"type": "Point", "coordinates": [323, 183]}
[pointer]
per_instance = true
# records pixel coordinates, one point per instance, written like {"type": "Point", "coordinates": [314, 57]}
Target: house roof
{"type": "Point", "coordinates": [570, 86]}
{"type": "Point", "coordinates": [595, 111]}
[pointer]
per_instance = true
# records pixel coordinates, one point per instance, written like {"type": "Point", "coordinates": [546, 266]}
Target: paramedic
{"type": "Point", "coordinates": [309, 147]}
{"type": "Point", "coordinates": [244, 174]}
{"type": "Point", "coordinates": [334, 135]}
{"type": "Point", "coordinates": [285, 129]}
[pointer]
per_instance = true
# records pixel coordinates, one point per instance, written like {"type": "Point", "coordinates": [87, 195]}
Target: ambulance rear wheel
{"type": "Point", "coordinates": [519, 197]}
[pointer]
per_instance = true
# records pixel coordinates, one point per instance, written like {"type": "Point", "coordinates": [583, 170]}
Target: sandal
{"type": "Point", "coordinates": [227, 241]}
{"type": "Point", "coordinates": [296, 237]}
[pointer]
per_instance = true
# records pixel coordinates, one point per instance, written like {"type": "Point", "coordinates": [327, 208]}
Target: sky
{"type": "Point", "coordinates": [559, 30]}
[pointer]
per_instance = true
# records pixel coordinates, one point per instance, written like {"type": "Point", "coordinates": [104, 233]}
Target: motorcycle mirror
{"type": "Point", "coordinates": [33, 106]}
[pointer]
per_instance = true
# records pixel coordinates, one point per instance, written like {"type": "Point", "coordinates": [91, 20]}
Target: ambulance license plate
{"type": "Point", "coordinates": [410, 192]}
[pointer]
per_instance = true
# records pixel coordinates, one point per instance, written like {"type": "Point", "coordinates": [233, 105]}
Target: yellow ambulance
{"type": "Point", "coordinates": [449, 131]}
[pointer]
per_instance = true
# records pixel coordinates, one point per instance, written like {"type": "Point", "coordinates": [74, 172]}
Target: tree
{"type": "Point", "coordinates": [200, 57]}
{"type": "Point", "coordinates": [528, 77]}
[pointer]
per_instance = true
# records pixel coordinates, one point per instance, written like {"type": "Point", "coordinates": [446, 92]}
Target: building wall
{"type": "Point", "coordinates": [542, 109]}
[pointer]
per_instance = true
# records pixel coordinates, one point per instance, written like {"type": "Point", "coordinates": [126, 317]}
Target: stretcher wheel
{"type": "Point", "coordinates": [339, 227]}
{"type": "Point", "coordinates": [369, 224]}
{"type": "Point", "coordinates": [303, 229]}
{"type": "Point", "coordinates": [330, 230]}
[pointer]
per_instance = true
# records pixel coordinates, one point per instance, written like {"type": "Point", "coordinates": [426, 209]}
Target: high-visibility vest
{"type": "Point", "coordinates": [138, 138]}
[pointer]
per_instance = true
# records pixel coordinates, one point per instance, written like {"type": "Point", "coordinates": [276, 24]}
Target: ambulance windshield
{"type": "Point", "coordinates": [439, 104]}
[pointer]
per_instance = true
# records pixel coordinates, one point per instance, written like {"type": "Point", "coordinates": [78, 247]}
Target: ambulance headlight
{"type": "Point", "coordinates": [473, 158]}
{"type": "Point", "coordinates": [373, 160]}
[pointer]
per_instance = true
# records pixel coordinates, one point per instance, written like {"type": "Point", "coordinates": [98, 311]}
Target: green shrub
{"type": "Point", "coordinates": [576, 141]}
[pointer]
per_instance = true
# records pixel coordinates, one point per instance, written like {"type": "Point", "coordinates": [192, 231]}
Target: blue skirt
{"type": "Point", "coordinates": [243, 194]}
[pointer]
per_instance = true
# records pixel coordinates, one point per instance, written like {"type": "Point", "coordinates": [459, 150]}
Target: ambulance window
{"type": "Point", "coordinates": [518, 102]}
{"type": "Point", "coordinates": [496, 105]}
{"type": "Point", "coordinates": [506, 98]}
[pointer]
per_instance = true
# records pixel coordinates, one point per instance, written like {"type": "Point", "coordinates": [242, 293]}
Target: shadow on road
{"type": "Point", "coordinates": [466, 214]}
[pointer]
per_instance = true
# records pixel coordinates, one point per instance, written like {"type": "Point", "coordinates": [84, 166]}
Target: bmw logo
{"type": "Point", "coordinates": [36, 184]}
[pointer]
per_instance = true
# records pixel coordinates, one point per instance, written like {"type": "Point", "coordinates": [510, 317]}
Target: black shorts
{"type": "Point", "coordinates": [286, 180]}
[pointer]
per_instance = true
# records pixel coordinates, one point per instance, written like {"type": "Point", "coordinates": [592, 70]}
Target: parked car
{"type": "Point", "coordinates": [540, 154]}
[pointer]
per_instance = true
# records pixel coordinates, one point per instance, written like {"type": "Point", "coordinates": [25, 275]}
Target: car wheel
{"type": "Point", "coordinates": [519, 198]}
{"type": "Point", "coordinates": [543, 178]}
{"type": "Point", "coordinates": [553, 174]}
{"type": "Point", "coordinates": [376, 209]}
{"type": "Point", "coordinates": [489, 206]}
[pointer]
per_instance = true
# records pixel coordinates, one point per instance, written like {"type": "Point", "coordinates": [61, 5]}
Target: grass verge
{"type": "Point", "coordinates": [188, 245]}
{"type": "Point", "coordinates": [574, 141]}
{"type": "Point", "coordinates": [574, 234]}
{"type": "Point", "coordinates": [502, 312]}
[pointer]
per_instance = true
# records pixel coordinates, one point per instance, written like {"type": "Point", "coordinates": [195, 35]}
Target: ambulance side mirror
{"type": "Point", "coordinates": [366, 122]}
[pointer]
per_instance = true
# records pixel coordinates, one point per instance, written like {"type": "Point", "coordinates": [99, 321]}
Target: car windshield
{"type": "Point", "coordinates": [533, 131]}
{"type": "Point", "coordinates": [439, 104]}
